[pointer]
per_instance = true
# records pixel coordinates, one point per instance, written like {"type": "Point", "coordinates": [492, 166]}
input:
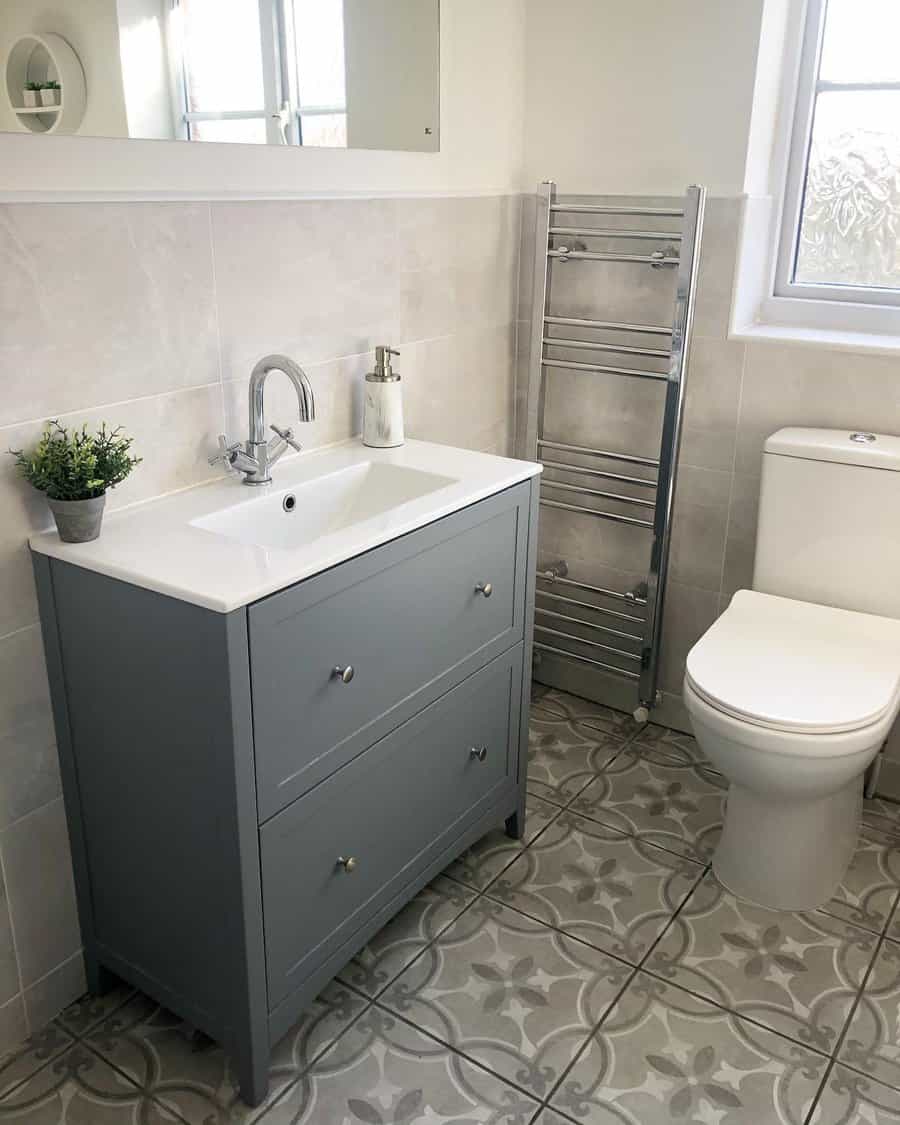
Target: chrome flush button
{"type": "Point", "coordinates": [862, 438]}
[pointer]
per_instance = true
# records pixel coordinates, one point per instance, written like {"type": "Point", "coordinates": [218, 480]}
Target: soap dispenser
{"type": "Point", "coordinates": [383, 412]}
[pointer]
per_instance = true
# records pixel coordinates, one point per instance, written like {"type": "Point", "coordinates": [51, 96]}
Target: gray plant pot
{"type": "Point", "coordinates": [78, 521]}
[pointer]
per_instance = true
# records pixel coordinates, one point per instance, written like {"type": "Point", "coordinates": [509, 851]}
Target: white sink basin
{"type": "Point", "coordinates": [294, 517]}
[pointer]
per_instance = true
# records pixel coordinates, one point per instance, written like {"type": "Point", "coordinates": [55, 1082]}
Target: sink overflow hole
{"type": "Point", "coordinates": [289, 503]}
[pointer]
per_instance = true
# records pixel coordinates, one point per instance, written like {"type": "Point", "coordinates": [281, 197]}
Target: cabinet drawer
{"type": "Point", "coordinates": [390, 811]}
{"type": "Point", "coordinates": [409, 620]}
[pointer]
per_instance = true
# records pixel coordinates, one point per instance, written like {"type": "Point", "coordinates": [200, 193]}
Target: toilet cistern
{"type": "Point", "coordinates": [256, 458]}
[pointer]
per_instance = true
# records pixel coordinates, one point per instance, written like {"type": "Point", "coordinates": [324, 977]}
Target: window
{"type": "Point", "coordinates": [840, 234]}
{"type": "Point", "coordinates": [273, 71]}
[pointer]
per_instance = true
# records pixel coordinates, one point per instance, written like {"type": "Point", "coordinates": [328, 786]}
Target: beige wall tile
{"type": "Point", "coordinates": [689, 612]}
{"type": "Point", "coordinates": [104, 302]}
{"type": "Point", "coordinates": [712, 398]}
{"type": "Point", "coordinates": [47, 998]}
{"type": "Point", "coordinates": [13, 1028]}
{"type": "Point", "coordinates": [40, 891]}
{"type": "Point", "coordinates": [717, 260]}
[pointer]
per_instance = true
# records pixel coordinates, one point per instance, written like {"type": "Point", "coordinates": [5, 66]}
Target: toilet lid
{"type": "Point", "coordinates": [797, 666]}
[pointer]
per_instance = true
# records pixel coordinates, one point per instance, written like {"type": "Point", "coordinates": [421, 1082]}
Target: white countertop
{"type": "Point", "coordinates": [157, 544]}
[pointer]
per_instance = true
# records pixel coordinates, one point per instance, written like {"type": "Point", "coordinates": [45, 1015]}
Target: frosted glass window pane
{"type": "Point", "coordinates": [247, 132]}
{"type": "Point", "coordinates": [862, 41]}
{"type": "Point", "coordinates": [851, 209]}
{"type": "Point", "coordinates": [223, 55]}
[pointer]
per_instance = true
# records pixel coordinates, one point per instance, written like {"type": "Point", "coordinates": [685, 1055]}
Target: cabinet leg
{"type": "Point", "coordinates": [100, 980]}
{"type": "Point", "coordinates": [515, 826]}
{"type": "Point", "coordinates": [253, 1075]}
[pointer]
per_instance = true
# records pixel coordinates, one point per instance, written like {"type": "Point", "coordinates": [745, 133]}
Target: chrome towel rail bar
{"type": "Point", "coordinates": [657, 259]}
{"type": "Point", "coordinates": [586, 471]}
{"type": "Point", "coordinates": [631, 458]}
{"type": "Point", "coordinates": [604, 369]}
{"type": "Point", "coordinates": [597, 492]}
{"type": "Point", "coordinates": [561, 207]}
{"type": "Point", "coordinates": [633, 520]}
{"type": "Point", "coordinates": [581, 621]}
{"type": "Point", "coordinates": [623, 653]}
{"type": "Point", "coordinates": [632, 599]}
{"type": "Point", "coordinates": [587, 660]}
{"type": "Point", "coordinates": [609, 232]}
{"type": "Point", "coordinates": [623, 349]}
{"type": "Point", "coordinates": [609, 325]}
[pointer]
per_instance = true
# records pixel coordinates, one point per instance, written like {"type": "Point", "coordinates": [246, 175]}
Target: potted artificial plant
{"type": "Point", "coordinates": [74, 470]}
{"type": "Point", "coordinates": [50, 93]}
{"type": "Point", "coordinates": [31, 95]}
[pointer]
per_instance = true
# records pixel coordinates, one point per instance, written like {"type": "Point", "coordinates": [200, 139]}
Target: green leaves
{"type": "Point", "coordinates": [77, 466]}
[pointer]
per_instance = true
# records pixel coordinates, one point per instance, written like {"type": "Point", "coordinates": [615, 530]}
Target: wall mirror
{"type": "Point", "coordinates": [323, 73]}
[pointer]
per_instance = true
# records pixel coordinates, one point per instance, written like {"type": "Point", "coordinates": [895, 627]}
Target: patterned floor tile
{"type": "Point", "coordinates": [584, 713]}
{"type": "Point", "coordinates": [382, 1071]}
{"type": "Point", "coordinates": [508, 992]}
{"type": "Point", "coordinates": [882, 814]}
{"type": "Point", "coordinates": [674, 744]}
{"type": "Point", "coordinates": [662, 1056]}
{"type": "Point", "coordinates": [34, 1053]}
{"type": "Point", "coordinates": [678, 805]}
{"type": "Point", "coordinates": [611, 890]}
{"type": "Point", "coordinates": [551, 1117]}
{"type": "Point", "coordinates": [487, 857]}
{"type": "Point", "coordinates": [191, 1075]}
{"type": "Point", "coordinates": [561, 761]}
{"type": "Point", "coordinates": [406, 935]}
{"type": "Point", "coordinates": [872, 1043]}
{"type": "Point", "coordinates": [870, 888]}
{"type": "Point", "coordinates": [79, 1088]}
{"type": "Point", "coordinates": [797, 974]}
{"type": "Point", "coordinates": [853, 1099]}
{"type": "Point", "coordinates": [79, 1018]}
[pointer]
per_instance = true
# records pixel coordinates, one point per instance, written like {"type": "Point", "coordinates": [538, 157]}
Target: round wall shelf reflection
{"type": "Point", "coordinates": [46, 58]}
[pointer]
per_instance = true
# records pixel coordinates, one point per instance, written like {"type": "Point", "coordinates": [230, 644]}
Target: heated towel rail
{"type": "Point", "coordinates": [627, 642]}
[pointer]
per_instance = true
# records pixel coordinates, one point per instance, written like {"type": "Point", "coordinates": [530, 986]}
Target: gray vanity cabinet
{"type": "Point", "coordinates": [243, 818]}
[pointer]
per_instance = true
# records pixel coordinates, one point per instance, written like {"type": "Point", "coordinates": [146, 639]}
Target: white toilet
{"type": "Point", "coordinates": [794, 689]}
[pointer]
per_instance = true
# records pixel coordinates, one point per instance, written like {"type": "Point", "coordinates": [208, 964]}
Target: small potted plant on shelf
{"type": "Point", "coordinates": [31, 95]}
{"type": "Point", "coordinates": [50, 93]}
{"type": "Point", "coordinates": [74, 470]}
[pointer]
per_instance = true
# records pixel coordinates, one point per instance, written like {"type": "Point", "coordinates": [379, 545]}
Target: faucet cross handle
{"type": "Point", "coordinates": [287, 436]}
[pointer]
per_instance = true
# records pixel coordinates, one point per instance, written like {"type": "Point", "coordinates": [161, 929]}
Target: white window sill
{"type": "Point", "coordinates": [873, 343]}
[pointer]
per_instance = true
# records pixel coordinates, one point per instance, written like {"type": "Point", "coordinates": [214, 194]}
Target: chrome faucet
{"type": "Point", "coordinates": [257, 456]}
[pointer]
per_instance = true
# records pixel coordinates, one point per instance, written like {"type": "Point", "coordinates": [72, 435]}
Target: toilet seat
{"type": "Point", "coordinates": [798, 667]}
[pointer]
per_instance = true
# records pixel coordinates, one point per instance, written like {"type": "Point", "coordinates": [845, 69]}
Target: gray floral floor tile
{"type": "Point", "coordinates": [79, 1018]}
{"type": "Point", "coordinates": [562, 761]}
{"type": "Point", "coordinates": [33, 1054]}
{"type": "Point", "coordinates": [853, 1099]}
{"type": "Point", "coordinates": [614, 891]}
{"type": "Point", "coordinates": [677, 804]}
{"type": "Point", "coordinates": [509, 992]}
{"type": "Point", "coordinates": [869, 890]}
{"type": "Point", "coordinates": [382, 1071]}
{"type": "Point", "coordinates": [668, 743]}
{"type": "Point", "coordinates": [882, 814]}
{"type": "Point", "coordinates": [191, 1075]}
{"type": "Point", "coordinates": [406, 935]}
{"type": "Point", "coordinates": [79, 1088]}
{"type": "Point", "coordinates": [483, 862]}
{"type": "Point", "coordinates": [797, 974]}
{"type": "Point", "coordinates": [584, 713]}
{"type": "Point", "coordinates": [663, 1055]}
{"type": "Point", "coordinates": [551, 1117]}
{"type": "Point", "coordinates": [872, 1042]}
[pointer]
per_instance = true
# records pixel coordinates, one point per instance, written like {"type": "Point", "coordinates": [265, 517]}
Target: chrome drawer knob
{"type": "Point", "coordinates": [478, 753]}
{"type": "Point", "coordinates": [348, 864]}
{"type": "Point", "coordinates": [485, 588]}
{"type": "Point", "coordinates": [345, 675]}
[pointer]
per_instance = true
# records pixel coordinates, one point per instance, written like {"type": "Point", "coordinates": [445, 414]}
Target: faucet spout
{"type": "Point", "coordinates": [305, 398]}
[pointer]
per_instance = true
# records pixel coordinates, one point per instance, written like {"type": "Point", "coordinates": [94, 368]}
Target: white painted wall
{"type": "Point", "coordinates": [482, 54]}
{"type": "Point", "coordinates": [639, 96]}
{"type": "Point", "coordinates": [91, 29]}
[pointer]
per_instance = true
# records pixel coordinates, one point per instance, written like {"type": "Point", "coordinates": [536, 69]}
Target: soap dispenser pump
{"type": "Point", "coordinates": [383, 412]}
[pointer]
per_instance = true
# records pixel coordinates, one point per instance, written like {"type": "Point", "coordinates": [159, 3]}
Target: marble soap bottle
{"type": "Point", "coordinates": [383, 412]}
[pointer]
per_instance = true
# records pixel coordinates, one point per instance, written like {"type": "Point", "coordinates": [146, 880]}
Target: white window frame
{"type": "Point", "coordinates": [883, 304]}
